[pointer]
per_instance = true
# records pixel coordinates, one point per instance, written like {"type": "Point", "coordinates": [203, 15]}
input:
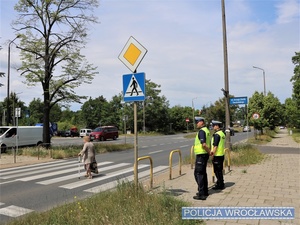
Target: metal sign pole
{"type": "Point", "coordinates": [135, 145]}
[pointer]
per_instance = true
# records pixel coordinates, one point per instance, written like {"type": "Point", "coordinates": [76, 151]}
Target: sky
{"type": "Point", "coordinates": [184, 42]}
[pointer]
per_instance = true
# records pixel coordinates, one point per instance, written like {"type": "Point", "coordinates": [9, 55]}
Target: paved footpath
{"type": "Point", "coordinates": [273, 183]}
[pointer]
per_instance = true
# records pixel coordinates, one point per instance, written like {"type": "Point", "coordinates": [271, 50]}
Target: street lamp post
{"type": "Point", "coordinates": [193, 112]}
{"type": "Point", "coordinates": [8, 79]}
{"type": "Point", "coordinates": [14, 113]}
{"type": "Point", "coordinates": [255, 67]}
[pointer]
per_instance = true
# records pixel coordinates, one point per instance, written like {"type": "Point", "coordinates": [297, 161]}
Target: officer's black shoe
{"type": "Point", "coordinates": [206, 194]}
{"type": "Point", "coordinates": [218, 187]}
{"type": "Point", "coordinates": [200, 197]}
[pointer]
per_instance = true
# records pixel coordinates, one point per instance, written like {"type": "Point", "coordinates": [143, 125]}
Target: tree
{"type": "Point", "coordinates": [95, 112]}
{"type": "Point", "coordinates": [217, 112]}
{"type": "Point", "coordinates": [255, 106]}
{"type": "Point", "coordinates": [52, 33]}
{"type": "Point", "coordinates": [273, 111]}
{"type": "Point", "coordinates": [178, 115]}
{"type": "Point", "coordinates": [296, 89]}
{"type": "Point", "coordinates": [269, 109]}
{"type": "Point", "coordinates": [292, 114]}
{"type": "Point", "coordinates": [155, 108]}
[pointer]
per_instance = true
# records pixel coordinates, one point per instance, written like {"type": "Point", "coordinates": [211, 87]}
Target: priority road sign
{"type": "Point", "coordinates": [134, 87]}
{"type": "Point", "coordinates": [132, 54]}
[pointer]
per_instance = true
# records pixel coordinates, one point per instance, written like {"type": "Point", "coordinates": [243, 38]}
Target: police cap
{"type": "Point", "coordinates": [198, 119]}
{"type": "Point", "coordinates": [215, 122]}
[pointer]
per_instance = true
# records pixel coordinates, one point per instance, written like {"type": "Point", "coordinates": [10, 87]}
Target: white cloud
{"type": "Point", "coordinates": [185, 49]}
{"type": "Point", "coordinates": [288, 10]}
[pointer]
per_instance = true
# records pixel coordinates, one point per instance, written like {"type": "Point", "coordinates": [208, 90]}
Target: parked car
{"type": "Point", "coordinates": [67, 133]}
{"type": "Point", "coordinates": [230, 129]}
{"type": "Point", "coordinates": [85, 132]}
{"type": "Point", "coordinates": [104, 133]}
{"type": "Point", "coordinates": [247, 129]}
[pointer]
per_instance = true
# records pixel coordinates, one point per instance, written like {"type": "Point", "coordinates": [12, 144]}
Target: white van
{"type": "Point", "coordinates": [27, 136]}
{"type": "Point", "coordinates": [85, 132]}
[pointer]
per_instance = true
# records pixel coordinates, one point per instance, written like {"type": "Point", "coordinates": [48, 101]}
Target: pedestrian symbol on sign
{"type": "Point", "coordinates": [134, 87]}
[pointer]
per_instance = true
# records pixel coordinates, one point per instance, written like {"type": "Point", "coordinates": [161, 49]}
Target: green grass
{"type": "Point", "coordinates": [70, 151]}
{"type": "Point", "coordinates": [296, 135]}
{"type": "Point", "coordinates": [242, 155]}
{"type": "Point", "coordinates": [126, 205]}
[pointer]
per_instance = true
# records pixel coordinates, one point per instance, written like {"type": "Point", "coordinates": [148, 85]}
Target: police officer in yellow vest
{"type": "Point", "coordinates": [217, 153]}
{"type": "Point", "coordinates": [202, 151]}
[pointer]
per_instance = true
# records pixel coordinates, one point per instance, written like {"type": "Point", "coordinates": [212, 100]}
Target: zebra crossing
{"type": "Point", "coordinates": [65, 174]}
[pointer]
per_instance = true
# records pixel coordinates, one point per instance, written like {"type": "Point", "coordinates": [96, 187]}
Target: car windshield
{"type": "Point", "coordinates": [98, 129]}
{"type": "Point", "coordinates": [3, 130]}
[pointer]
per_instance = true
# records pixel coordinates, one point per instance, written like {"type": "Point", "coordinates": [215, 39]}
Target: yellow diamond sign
{"type": "Point", "coordinates": [132, 54]}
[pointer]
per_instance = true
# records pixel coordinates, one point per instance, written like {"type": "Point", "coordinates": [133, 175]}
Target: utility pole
{"type": "Point", "coordinates": [226, 83]}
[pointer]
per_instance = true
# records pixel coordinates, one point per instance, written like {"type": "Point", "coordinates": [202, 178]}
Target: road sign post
{"type": "Point", "coordinates": [133, 86]}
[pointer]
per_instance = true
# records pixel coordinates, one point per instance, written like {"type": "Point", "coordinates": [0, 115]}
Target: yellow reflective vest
{"type": "Point", "coordinates": [221, 146]}
{"type": "Point", "coordinates": [198, 148]}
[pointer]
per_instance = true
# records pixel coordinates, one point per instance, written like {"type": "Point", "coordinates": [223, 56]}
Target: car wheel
{"type": "Point", "coordinates": [115, 138]}
{"type": "Point", "coordinates": [3, 148]}
{"type": "Point", "coordinates": [102, 139]}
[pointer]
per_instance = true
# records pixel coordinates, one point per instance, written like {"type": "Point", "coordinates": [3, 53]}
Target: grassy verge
{"type": "Point", "coordinates": [127, 205]}
{"type": "Point", "coordinates": [70, 151]}
{"type": "Point", "coordinates": [240, 155]}
{"type": "Point", "coordinates": [262, 138]}
{"type": "Point", "coordinates": [296, 135]}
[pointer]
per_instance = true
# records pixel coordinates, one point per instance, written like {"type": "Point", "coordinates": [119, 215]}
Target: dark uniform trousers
{"type": "Point", "coordinates": [200, 173]}
{"type": "Point", "coordinates": [218, 170]}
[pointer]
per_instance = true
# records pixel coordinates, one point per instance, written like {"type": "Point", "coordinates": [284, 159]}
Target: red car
{"type": "Point", "coordinates": [104, 133]}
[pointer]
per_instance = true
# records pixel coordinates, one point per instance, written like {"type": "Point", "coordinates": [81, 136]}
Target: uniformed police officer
{"type": "Point", "coordinates": [202, 151]}
{"type": "Point", "coordinates": [217, 153]}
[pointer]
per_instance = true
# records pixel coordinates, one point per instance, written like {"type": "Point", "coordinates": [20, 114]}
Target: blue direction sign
{"type": "Point", "coordinates": [238, 101]}
{"type": "Point", "coordinates": [134, 87]}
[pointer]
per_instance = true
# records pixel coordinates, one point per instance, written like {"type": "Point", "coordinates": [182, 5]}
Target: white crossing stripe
{"type": "Point", "coordinates": [113, 184]}
{"type": "Point", "coordinates": [155, 152]}
{"type": "Point", "coordinates": [30, 167]}
{"type": "Point", "coordinates": [96, 179]}
{"type": "Point", "coordinates": [14, 211]}
{"type": "Point", "coordinates": [44, 175]}
{"type": "Point", "coordinates": [36, 170]}
{"type": "Point", "coordinates": [59, 179]}
{"type": "Point", "coordinates": [183, 146]}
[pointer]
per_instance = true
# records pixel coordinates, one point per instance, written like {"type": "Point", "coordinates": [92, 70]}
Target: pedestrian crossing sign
{"type": "Point", "coordinates": [134, 87]}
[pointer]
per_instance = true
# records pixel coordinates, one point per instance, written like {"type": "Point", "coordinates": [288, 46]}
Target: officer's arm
{"type": "Point", "coordinates": [202, 138]}
{"type": "Point", "coordinates": [215, 144]}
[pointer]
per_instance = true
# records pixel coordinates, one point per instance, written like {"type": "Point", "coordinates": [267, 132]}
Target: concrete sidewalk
{"type": "Point", "coordinates": [273, 183]}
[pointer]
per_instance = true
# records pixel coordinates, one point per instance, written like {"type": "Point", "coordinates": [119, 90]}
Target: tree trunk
{"type": "Point", "coordinates": [46, 127]}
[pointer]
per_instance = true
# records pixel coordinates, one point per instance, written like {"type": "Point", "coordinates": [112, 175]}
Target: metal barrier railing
{"type": "Point", "coordinates": [151, 168]}
{"type": "Point", "coordinates": [228, 160]}
{"type": "Point", "coordinates": [170, 162]}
